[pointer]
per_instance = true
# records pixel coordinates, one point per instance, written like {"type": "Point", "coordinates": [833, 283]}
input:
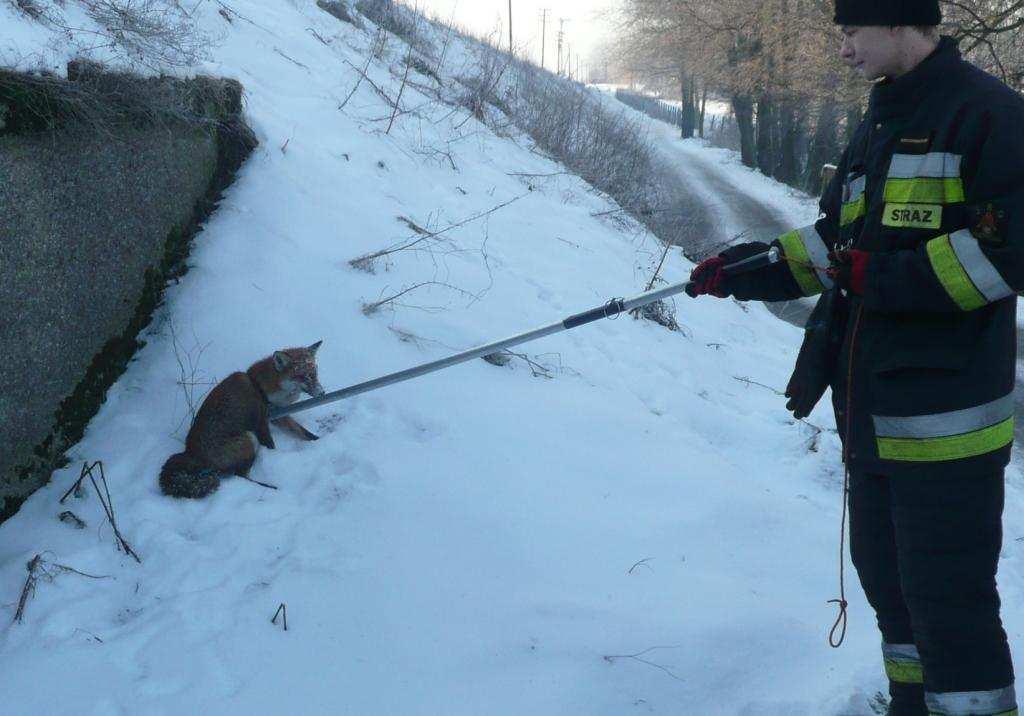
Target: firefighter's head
{"type": "Point", "coordinates": [886, 38]}
{"type": "Point", "coordinates": [878, 51]}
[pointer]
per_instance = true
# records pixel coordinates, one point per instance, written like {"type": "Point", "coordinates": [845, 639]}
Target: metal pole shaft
{"type": "Point", "coordinates": [612, 308]}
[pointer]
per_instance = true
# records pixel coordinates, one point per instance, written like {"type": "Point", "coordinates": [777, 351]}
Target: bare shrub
{"type": "Point", "coordinates": [155, 34]}
{"type": "Point", "coordinates": [398, 20]}
{"type": "Point", "coordinates": [422, 66]}
{"type": "Point", "coordinates": [607, 149]}
{"type": "Point", "coordinates": [96, 100]}
{"type": "Point", "coordinates": [481, 85]}
{"type": "Point", "coordinates": [339, 9]}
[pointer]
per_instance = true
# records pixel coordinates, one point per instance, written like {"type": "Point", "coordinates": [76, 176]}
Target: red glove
{"type": "Point", "coordinates": [706, 278]}
{"type": "Point", "coordinates": [848, 269]}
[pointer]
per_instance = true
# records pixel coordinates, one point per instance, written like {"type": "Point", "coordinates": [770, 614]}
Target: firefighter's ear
{"type": "Point", "coordinates": [315, 347]}
{"type": "Point", "coordinates": [281, 360]}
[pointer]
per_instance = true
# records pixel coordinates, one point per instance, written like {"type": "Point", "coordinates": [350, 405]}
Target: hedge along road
{"type": "Point", "coordinates": [721, 205]}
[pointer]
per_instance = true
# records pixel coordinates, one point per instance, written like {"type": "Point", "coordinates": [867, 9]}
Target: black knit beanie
{"type": "Point", "coordinates": [893, 13]}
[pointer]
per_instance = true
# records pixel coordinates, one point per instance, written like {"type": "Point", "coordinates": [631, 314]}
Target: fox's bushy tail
{"type": "Point", "coordinates": [184, 476]}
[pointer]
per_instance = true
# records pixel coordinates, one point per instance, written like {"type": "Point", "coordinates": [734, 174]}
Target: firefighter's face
{"type": "Point", "coordinates": [872, 50]}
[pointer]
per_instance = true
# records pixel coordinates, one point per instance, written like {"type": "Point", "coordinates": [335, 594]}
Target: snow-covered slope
{"type": "Point", "coordinates": [482, 540]}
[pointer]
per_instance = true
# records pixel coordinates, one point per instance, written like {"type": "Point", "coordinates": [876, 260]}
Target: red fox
{"type": "Point", "coordinates": [233, 419]}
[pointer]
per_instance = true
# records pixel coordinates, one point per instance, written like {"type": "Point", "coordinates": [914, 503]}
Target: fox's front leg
{"type": "Point", "coordinates": [263, 433]}
{"type": "Point", "coordinates": [292, 425]}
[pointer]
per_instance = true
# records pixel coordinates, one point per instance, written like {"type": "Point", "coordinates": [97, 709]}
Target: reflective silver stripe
{"type": "Point", "coordinates": [983, 274]}
{"type": "Point", "coordinates": [817, 252]}
{"type": "Point", "coordinates": [955, 422]}
{"type": "Point", "coordinates": [900, 652]}
{"type": "Point", "coordinates": [963, 703]}
{"type": "Point", "coordinates": [934, 164]}
{"type": "Point", "coordinates": [856, 188]}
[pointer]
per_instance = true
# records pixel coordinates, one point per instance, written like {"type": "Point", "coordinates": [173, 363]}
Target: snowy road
{"type": "Point", "coordinates": [732, 211]}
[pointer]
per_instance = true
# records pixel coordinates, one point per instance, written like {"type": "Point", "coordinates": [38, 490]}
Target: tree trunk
{"type": "Point", "coordinates": [703, 107]}
{"type": "Point", "coordinates": [743, 107]}
{"type": "Point", "coordinates": [787, 166]}
{"type": "Point", "coordinates": [688, 121]}
{"type": "Point", "coordinates": [765, 130]}
{"type": "Point", "coordinates": [824, 148]}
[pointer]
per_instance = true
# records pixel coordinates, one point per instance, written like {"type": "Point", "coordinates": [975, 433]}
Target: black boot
{"type": "Point", "coordinates": [907, 700]}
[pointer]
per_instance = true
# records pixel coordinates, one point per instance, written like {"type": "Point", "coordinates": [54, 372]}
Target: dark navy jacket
{"type": "Point", "coordinates": [932, 185]}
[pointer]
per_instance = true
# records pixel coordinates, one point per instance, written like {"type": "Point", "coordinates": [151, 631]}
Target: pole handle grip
{"type": "Point", "coordinates": [758, 261]}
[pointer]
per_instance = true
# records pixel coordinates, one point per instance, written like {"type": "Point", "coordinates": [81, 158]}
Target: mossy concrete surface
{"type": "Point", "coordinates": [93, 217]}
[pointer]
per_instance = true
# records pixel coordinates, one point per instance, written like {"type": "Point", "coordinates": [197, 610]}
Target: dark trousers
{"type": "Point", "coordinates": [926, 552]}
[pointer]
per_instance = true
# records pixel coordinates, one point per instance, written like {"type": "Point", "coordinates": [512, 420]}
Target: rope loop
{"type": "Point", "coordinates": [840, 624]}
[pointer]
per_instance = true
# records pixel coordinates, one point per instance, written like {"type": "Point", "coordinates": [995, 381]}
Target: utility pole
{"type": "Point", "coordinates": [543, 33]}
{"type": "Point", "coordinates": [561, 38]}
{"type": "Point", "coordinates": [510, 50]}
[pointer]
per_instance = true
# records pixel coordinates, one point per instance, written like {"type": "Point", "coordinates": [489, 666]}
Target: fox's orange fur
{"type": "Point", "coordinates": [233, 420]}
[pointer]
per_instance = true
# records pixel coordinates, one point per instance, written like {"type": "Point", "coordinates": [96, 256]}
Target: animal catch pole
{"type": "Point", "coordinates": [612, 308]}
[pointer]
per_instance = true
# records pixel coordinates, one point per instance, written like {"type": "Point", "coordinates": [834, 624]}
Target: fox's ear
{"type": "Point", "coordinates": [315, 347]}
{"type": "Point", "coordinates": [281, 360]}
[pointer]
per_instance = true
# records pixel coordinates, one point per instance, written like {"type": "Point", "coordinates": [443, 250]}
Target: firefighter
{"type": "Point", "coordinates": [918, 254]}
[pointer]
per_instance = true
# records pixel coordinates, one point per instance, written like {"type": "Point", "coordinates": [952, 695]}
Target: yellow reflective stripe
{"type": "Point", "coordinates": [984, 275]}
{"type": "Point", "coordinates": [799, 262]}
{"type": "Point", "coordinates": [952, 275]}
{"type": "Point", "coordinates": [924, 190]}
{"type": "Point", "coordinates": [953, 447]}
{"type": "Point", "coordinates": [853, 210]}
{"type": "Point", "coordinates": [904, 672]}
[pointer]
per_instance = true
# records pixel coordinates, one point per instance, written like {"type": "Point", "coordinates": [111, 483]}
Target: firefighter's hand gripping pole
{"type": "Point", "coordinates": [612, 308]}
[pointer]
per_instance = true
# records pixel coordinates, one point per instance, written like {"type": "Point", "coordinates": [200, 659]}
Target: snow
{"type": "Point", "coordinates": [480, 540]}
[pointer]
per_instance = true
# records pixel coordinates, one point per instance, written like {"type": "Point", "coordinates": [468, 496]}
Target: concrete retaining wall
{"type": "Point", "coordinates": [97, 201]}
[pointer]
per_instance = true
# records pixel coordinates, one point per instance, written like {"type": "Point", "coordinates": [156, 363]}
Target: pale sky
{"type": "Point", "coordinates": [583, 29]}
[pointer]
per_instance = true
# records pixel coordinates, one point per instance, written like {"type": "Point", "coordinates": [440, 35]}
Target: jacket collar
{"type": "Point", "coordinates": [899, 97]}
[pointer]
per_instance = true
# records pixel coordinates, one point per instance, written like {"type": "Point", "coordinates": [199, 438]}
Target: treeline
{"type": "Point", "coordinates": [776, 63]}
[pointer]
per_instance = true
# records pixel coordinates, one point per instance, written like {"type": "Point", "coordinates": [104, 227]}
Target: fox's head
{"type": "Point", "coordinates": [297, 370]}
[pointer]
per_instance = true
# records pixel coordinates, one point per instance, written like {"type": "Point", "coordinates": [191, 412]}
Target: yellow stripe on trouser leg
{"type": "Point", "coordinates": [902, 663]}
{"type": "Point", "coordinates": [904, 672]}
{"type": "Point", "coordinates": [953, 447]}
{"type": "Point", "coordinates": [952, 276]}
{"type": "Point", "coordinates": [799, 262]}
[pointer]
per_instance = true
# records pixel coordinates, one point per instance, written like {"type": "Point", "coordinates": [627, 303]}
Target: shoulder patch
{"type": "Point", "coordinates": [989, 225]}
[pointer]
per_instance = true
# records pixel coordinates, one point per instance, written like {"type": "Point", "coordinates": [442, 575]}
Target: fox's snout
{"type": "Point", "coordinates": [313, 388]}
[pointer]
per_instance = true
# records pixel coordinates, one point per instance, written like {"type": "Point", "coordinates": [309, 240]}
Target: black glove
{"type": "Point", "coordinates": [819, 354]}
{"type": "Point", "coordinates": [809, 380]}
